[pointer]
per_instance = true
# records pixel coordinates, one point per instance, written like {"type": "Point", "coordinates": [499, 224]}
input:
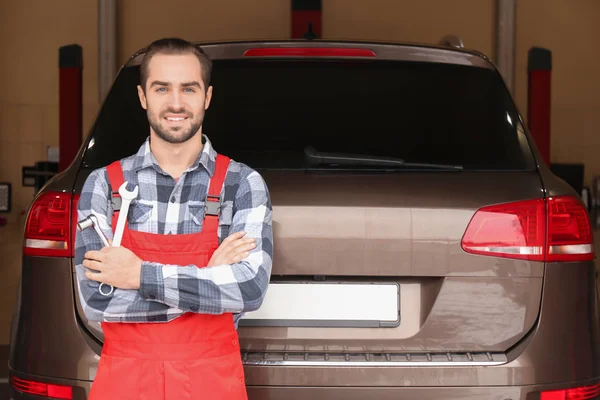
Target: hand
{"type": "Point", "coordinates": [116, 266]}
{"type": "Point", "coordinates": [233, 249]}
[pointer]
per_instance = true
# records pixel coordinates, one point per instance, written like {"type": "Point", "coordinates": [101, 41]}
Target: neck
{"type": "Point", "coordinates": [175, 158]}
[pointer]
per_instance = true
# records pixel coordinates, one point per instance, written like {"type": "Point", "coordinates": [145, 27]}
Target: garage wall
{"type": "Point", "coordinates": [142, 21]}
{"type": "Point", "coordinates": [571, 30]}
{"type": "Point", "coordinates": [32, 30]}
{"type": "Point", "coordinates": [413, 21]}
{"type": "Point", "coordinates": [29, 38]}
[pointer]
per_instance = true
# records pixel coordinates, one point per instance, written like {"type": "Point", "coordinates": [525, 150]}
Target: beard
{"type": "Point", "coordinates": [175, 134]}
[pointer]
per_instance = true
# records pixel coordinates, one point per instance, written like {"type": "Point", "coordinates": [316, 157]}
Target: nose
{"type": "Point", "coordinates": [176, 100]}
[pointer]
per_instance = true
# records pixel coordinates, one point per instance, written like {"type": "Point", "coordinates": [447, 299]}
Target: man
{"type": "Point", "coordinates": [178, 284]}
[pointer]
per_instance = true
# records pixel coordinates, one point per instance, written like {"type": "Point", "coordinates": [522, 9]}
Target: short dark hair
{"type": "Point", "coordinates": [175, 46]}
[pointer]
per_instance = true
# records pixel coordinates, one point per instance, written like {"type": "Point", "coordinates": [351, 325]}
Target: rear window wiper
{"type": "Point", "coordinates": [314, 157]}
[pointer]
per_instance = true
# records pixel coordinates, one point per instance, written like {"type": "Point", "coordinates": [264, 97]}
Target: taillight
{"type": "Point", "coordinates": [43, 389]}
{"type": "Point", "coordinates": [308, 52]}
{"type": "Point", "coordinates": [49, 230]}
{"type": "Point", "coordinates": [569, 231]}
{"type": "Point", "coordinates": [579, 393]}
{"type": "Point", "coordinates": [516, 230]}
{"type": "Point", "coordinates": [555, 229]}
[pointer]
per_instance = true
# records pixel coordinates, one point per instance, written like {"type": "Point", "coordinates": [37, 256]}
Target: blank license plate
{"type": "Point", "coordinates": [327, 305]}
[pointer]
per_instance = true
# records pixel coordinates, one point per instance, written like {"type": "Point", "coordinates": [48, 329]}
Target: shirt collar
{"type": "Point", "coordinates": [207, 158]}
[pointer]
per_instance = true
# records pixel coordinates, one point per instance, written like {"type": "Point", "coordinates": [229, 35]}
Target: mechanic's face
{"type": "Point", "coordinates": [175, 97]}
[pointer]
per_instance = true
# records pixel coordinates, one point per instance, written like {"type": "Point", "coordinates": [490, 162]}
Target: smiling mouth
{"type": "Point", "coordinates": [175, 119]}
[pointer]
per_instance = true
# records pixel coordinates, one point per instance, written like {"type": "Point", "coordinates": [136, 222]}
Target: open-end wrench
{"type": "Point", "coordinates": [91, 221]}
{"type": "Point", "coordinates": [126, 197]}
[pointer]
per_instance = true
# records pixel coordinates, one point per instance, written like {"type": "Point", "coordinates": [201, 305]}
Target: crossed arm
{"type": "Point", "coordinates": [165, 291]}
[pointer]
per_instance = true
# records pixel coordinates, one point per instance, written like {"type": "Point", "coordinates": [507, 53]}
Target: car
{"type": "Point", "coordinates": [422, 248]}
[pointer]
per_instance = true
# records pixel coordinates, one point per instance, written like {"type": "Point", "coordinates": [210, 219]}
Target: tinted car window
{"type": "Point", "coordinates": [265, 112]}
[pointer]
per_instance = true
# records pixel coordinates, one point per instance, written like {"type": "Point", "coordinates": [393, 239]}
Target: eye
{"type": "Point", "coordinates": [189, 90]}
{"type": "Point", "coordinates": [161, 89]}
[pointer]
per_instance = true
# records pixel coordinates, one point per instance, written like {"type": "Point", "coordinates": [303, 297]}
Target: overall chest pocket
{"type": "Point", "coordinates": [139, 215]}
{"type": "Point", "coordinates": [198, 212]}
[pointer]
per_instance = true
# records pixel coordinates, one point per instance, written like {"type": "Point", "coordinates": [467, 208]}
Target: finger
{"type": "Point", "coordinates": [226, 247]}
{"type": "Point", "coordinates": [93, 276]}
{"type": "Point", "coordinates": [239, 257]}
{"type": "Point", "coordinates": [92, 264]}
{"type": "Point", "coordinates": [234, 236]}
{"type": "Point", "coordinates": [94, 255]}
{"type": "Point", "coordinates": [239, 254]}
{"type": "Point", "coordinates": [244, 246]}
{"type": "Point", "coordinates": [240, 243]}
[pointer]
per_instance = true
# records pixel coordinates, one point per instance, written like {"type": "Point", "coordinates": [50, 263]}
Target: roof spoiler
{"type": "Point", "coordinates": [452, 41]}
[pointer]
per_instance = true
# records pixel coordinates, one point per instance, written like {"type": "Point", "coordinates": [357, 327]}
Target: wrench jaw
{"type": "Point", "coordinates": [128, 194]}
{"type": "Point", "coordinates": [126, 197]}
{"type": "Point", "coordinates": [91, 221]}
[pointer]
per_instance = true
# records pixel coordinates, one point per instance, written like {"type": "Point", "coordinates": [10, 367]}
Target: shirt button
{"type": "Point", "coordinates": [173, 199]}
{"type": "Point", "coordinates": [194, 307]}
{"type": "Point", "coordinates": [153, 297]}
{"type": "Point", "coordinates": [234, 342]}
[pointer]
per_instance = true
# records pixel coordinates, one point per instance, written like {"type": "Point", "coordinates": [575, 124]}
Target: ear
{"type": "Point", "coordinates": [142, 97]}
{"type": "Point", "coordinates": [208, 97]}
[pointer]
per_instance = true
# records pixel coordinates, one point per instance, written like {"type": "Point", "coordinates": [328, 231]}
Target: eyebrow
{"type": "Point", "coordinates": [184, 84]}
{"type": "Point", "coordinates": [193, 83]}
{"type": "Point", "coordinates": [160, 83]}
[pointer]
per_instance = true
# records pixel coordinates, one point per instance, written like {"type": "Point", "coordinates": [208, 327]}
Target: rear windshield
{"type": "Point", "coordinates": [266, 112]}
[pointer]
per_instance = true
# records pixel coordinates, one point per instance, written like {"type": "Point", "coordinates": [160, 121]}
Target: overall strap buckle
{"type": "Point", "coordinates": [116, 201]}
{"type": "Point", "coordinates": [212, 205]}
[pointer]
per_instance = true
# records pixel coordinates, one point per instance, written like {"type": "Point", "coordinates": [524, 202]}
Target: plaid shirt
{"type": "Point", "coordinates": [164, 206]}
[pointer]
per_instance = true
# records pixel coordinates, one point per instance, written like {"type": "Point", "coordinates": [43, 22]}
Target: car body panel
{"type": "Point", "coordinates": [563, 347]}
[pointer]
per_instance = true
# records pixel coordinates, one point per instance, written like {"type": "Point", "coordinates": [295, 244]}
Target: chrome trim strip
{"type": "Point", "coordinates": [374, 360]}
{"type": "Point", "coordinates": [510, 250]}
{"type": "Point", "coordinates": [572, 249]}
{"type": "Point", "coordinates": [363, 364]}
{"type": "Point", "coordinates": [45, 244]}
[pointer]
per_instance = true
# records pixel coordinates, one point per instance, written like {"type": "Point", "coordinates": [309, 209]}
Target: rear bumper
{"type": "Point", "coordinates": [530, 392]}
{"type": "Point", "coordinates": [563, 349]}
{"type": "Point", "coordinates": [401, 393]}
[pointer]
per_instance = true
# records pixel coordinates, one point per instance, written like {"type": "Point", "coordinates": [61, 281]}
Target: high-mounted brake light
{"type": "Point", "coordinates": [308, 52]}
{"type": "Point", "coordinates": [42, 389]}
{"type": "Point", "coordinates": [578, 393]}
{"type": "Point", "coordinates": [49, 230]}
{"type": "Point", "coordinates": [554, 229]}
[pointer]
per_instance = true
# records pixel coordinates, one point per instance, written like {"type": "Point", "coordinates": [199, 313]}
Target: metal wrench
{"type": "Point", "coordinates": [126, 197]}
{"type": "Point", "coordinates": [92, 221]}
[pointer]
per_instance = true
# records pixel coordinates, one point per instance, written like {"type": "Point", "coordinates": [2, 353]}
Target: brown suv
{"type": "Point", "coordinates": [422, 249]}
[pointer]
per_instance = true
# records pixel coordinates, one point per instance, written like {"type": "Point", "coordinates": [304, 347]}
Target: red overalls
{"type": "Point", "coordinates": [195, 356]}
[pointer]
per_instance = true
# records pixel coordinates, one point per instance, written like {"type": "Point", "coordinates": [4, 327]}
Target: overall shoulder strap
{"type": "Point", "coordinates": [115, 179]}
{"type": "Point", "coordinates": [213, 198]}
{"type": "Point", "coordinates": [115, 176]}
